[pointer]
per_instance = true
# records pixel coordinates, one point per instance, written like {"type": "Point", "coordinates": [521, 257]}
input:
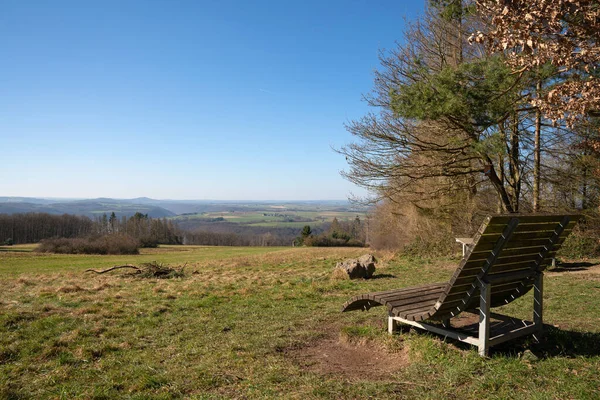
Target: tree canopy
{"type": "Point", "coordinates": [463, 125]}
{"type": "Point", "coordinates": [563, 33]}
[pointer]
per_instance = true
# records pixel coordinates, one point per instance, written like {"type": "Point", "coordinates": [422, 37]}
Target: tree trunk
{"type": "Point", "coordinates": [584, 183]}
{"type": "Point", "coordinates": [513, 164]}
{"type": "Point", "coordinates": [501, 178]}
{"type": "Point", "coordinates": [500, 189]}
{"type": "Point", "coordinates": [459, 50]}
{"type": "Point", "coordinates": [536, 156]}
{"type": "Point", "coordinates": [584, 189]}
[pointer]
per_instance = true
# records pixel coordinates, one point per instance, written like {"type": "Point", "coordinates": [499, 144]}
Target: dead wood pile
{"type": "Point", "coordinates": [147, 270]}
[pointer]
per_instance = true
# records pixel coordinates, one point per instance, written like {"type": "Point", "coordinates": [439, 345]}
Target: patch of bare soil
{"type": "Point", "coordinates": [350, 360]}
{"type": "Point", "coordinates": [465, 319]}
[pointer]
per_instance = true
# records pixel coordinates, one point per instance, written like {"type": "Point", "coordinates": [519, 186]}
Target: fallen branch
{"type": "Point", "coordinates": [114, 268]}
{"type": "Point", "coordinates": [148, 270]}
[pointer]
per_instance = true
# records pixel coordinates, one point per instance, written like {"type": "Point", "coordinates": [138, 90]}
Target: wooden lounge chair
{"type": "Point", "coordinates": [506, 260]}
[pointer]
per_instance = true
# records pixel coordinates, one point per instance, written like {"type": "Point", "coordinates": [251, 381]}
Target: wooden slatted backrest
{"type": "Point", "coordinates": [505, 246]}
{"type": "Point", "coordinates": [531, 248]}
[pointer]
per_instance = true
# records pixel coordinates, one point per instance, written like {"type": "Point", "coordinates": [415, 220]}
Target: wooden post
{"type": "Point", "coordinates": [392, 324]}
{"type": "Point", "coordinates": [538, 300]}
{"type": "Point", "coordinates": [484, 317]}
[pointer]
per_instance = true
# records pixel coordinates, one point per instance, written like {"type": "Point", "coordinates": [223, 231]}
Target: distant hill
{"type": "Point", "coordinates": [90, 208]}
{"type": "Point", "coordinates": [31, 200]}
{"type": "Point", "coordinates": [161, 208]}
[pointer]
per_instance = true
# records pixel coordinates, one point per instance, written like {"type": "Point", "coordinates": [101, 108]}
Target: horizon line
{"type": "Point", "coordinates": [163, 199]}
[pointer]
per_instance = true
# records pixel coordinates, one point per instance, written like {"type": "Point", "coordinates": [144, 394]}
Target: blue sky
{"type": "Point", "coordinates": [232, 100]}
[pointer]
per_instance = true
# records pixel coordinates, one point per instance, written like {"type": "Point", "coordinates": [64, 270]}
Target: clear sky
{"type": "Point", "coordinates": [173, 99]}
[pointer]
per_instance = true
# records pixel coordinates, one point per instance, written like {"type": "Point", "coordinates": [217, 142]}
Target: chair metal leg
{"type": "Point", "coordinates": [392, 324]}
{"type": "Point", "coordinates": [484, 318]}
{"type": "Point", "coordinates": [538, 300]}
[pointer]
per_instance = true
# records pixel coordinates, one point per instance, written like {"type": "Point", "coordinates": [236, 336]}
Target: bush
{"type": "Point", "coordinates": [108, 244]}
{"type": "Point", "coordinates": [581, 244]}
{"type": "Point", "coordinates": [148, 242]}
{"type": "Point", "coordinates": [431, 247]}
{"type": "Point", "coordinates": [9, 242]}
{"type": "Point", "coordinates": [329, 241]}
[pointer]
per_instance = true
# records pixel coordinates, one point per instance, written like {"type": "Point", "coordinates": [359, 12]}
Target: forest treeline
{"type": "Point", "coordinates": [149, 232]}
{"type": "Point", "coordinates": [223, 233]}
{"type": "Point", "coordinates": [472, 115]}
{"type": "Point", "coordinates": [34, 227]}
{"type": "Point", "coordinates": [351, 233]}
{"type": "Point", "coordinates": [220, 233]}
{"type": "Point", "coordinates": [211, 238]}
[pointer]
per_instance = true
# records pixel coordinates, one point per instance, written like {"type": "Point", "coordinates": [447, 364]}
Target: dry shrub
{"type": "Point", "coordinates": [152, 269]}
{"type": "Point", "coordinates": [159, 270]}
{"type": "Point", "coordinates": [584, 241]}
{"type": "Point", "coordinates": [107, 244]}
{"type": "Point", "coordinates": [410, 230]}
{"type": "Point", "coordinates": [327, 241]}
{"type": "Point", "coordinates": [426, 227]}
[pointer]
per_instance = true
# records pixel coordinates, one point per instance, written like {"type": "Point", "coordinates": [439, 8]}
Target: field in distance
{"type": "Point", "coordinates": [196, 214]}
{"type": "Point", "coordinates": [284, 215]}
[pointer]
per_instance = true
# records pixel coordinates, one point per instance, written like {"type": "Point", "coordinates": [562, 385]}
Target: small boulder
{"type": "Point", "coordinates": [363, 267]}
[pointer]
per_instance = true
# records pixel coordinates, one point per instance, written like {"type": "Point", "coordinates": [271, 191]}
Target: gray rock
{"type": "Point", "coordinates": [363, 267]}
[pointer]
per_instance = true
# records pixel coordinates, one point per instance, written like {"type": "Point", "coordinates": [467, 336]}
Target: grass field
{"type": "Point", "coordinates": [266, 323]}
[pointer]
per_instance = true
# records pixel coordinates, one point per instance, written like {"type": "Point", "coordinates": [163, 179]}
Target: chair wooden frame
{"type": "Point", "coordinates": [513, 328]}
{"type": "Point", "coordinates": [506, 260]}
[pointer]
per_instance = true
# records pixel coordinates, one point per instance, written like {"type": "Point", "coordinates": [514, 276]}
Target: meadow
{"type": "Point", "coordinates": [266, 323]}
{"type": "Point", "coordinates": [287, 216]}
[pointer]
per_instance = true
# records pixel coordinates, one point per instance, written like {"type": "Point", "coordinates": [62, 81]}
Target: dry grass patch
{"type": "Point", "coordinates": [70, 289]}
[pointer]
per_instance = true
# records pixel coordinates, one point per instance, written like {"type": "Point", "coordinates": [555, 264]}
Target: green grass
{"type": "Point", "coordinates": [19, 248]}
{"type": "Point", "coordinates": [243, 217]}
{"type": "Point", "coordinates": [287, 224]}
{"type": "Point", "coordinates": [231, 326]}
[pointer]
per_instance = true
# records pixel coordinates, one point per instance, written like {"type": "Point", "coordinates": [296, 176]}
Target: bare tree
{"type": "Point", "coordinates": [447, 111]}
